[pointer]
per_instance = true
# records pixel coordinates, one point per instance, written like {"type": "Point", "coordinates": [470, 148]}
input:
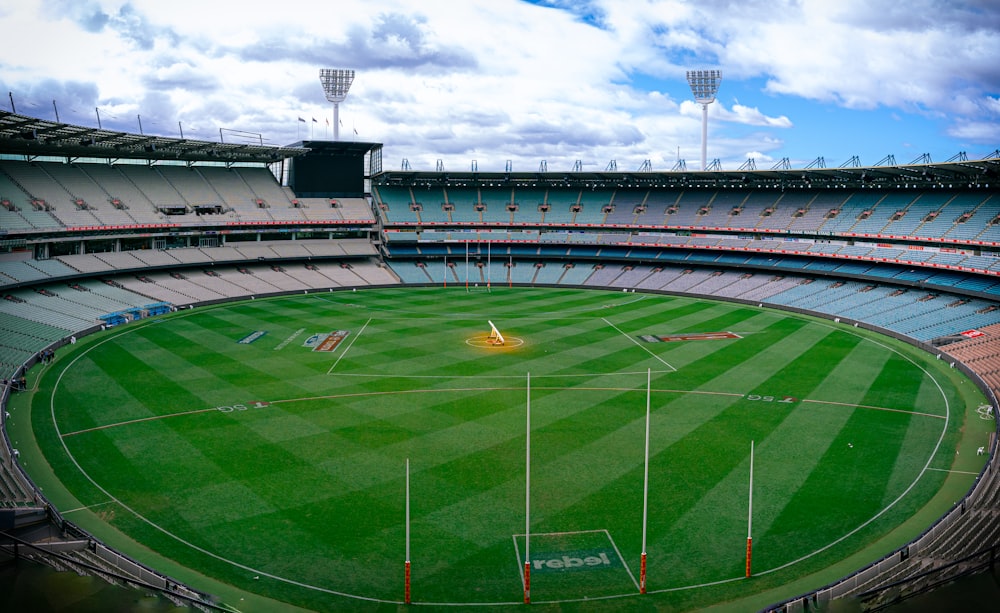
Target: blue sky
{"type": "Point", "coordinates": [526, 81]}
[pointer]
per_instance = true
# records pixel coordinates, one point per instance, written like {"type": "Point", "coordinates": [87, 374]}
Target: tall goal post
{"type": "Point", "coordinates": [645, 490]}
{"type": "Point", "coordinates": [527, 496]}
{"type": "Point", "coordinates": [482, 273]}
{"type": "Point", "coordinates": [406, 564]}
{"type": "Point", "coordinates": [750, 515]}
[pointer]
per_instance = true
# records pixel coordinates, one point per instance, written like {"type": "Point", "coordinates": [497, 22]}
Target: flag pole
{"type": "Point", "coordinates": [750, 514]}
{"type": "Point", "coordinates": [645, 492]}
{"type": "Point", "coordinates": [406, 580]}
{"type": "Point", "coordinates": [466, 265]}
{"type": "Point", "coordinates": [527, 500]}
{"type": "Point", "coordinates": [489, 244]}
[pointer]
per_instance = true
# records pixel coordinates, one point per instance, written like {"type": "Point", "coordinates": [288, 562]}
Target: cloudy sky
{"type": "Point", "coordinates": [527, 81]}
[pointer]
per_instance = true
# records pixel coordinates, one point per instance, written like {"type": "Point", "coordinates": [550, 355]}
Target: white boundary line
{"type": "Point", "coordinates": [639, 345]}
{"type": "Point", "coordinates": [112, 498]}
{"type": "Point", "coordinates": [913, 484]}
{"type": "Point", "coordinates": [142, 518]}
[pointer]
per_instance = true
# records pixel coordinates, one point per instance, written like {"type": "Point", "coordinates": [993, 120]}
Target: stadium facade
{"type": "Point", "coordinates": [101, 228]}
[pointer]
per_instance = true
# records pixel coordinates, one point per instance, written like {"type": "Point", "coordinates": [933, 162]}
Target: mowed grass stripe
{"type": "Point", "coordinates": [755, 331]}
{"type": "Point", "coordinates": [913, 456]}
{"type": "Point", "coordinates": [860, 460]}
{"type": "Point", "coordinates": [594, 347]}
{"type": "Point", "coordinates": [178, 463]}
{"type": "Point", "coordinates": [884, 435]}
{"type": "Point", "coordinates": [849, 382]}
{"type": "Point", "coordinates": [678, 315]}
{"type": "Point", "coordinates": [326, 470]}
{"type": "Point", "coordinates": [795, 447]}
{"type": "Point", "coordinates": [499, 426]}
{"type": "Point", "coordinates": [721, 319]}
{"type": "Point", "coordinates": [679, 353]}
{"type": "Point", "coordinates": [756, 420]}
{"type": "Point", "coordinates": [79, 404]}
{"type": "Point", "coordinates": [551, 415]}
{"type": "Point", "coordinates": [130, 474]}
{"type": "Point", "coordinates": [588, 467]}
{"type": "Point", "coordinates": [141, 380]}
{"type": "Point", "coordinates": [542, 353]}
{"type": "Point", "coordinates": [743, 358]}
{"type": "Point", "coordinates": [728, 434]}
{"type": "Point", "coordinates": [206, 361]}
{"type": "Point", "coordinates": [666, 315]}
{"type": "Point", "coordinates": [223, 372]}
{"type": "Point", "coordinates": [701, 434]}
{"type": "Point", "coordinates": [801, 362]}
{"type": "Point", "coordinates": [378, 458]}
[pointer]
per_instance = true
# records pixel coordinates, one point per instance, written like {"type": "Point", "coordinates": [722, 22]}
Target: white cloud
{"type": "Point", "coordinates": [927, 56]}
{"type": "Point", "coordinates": [992, 104]}
{"type": "Point", "coordinates": [759, 158]}
{"type": "Point", "coordinates": [984, 132]}
{"type": "Point", "coordinates": [738, 114]}
{"type": "Point", "coordinates": [503, 77]}
{"type": "Point", "coordinates": [753, 117]}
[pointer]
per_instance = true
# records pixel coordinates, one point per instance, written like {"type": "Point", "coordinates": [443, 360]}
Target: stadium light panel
{"type": "Point", "coordinates": [704, 85]}
{"type": "Point", "coordinates": [336, 83]}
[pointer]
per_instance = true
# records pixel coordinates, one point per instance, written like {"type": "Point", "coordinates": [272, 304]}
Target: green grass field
{"type": "Point", "coordinates": [281, 470]}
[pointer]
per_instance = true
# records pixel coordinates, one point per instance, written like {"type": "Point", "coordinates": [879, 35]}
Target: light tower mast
{"type": "Point", "coordinates": [336, 82]}
{"type": "Point", "coordinates": [704, 85]}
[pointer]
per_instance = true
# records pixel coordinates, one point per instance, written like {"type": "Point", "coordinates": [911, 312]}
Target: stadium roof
{"type": "Point", "coordinates": [23, 135]}
{"type": "Point", "coordinates": [956, 173]}
{"type": "Point", "coordinates": [31, 136]}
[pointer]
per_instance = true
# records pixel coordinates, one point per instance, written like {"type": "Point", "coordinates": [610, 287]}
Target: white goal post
{"type": "Point", "coordinates": [495, 337]}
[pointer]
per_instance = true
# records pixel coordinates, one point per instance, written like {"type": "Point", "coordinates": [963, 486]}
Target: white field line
{"type": "Point", "coordinates": [351, 344]}
{"type": "Point", "coordinates": [248, 568]}
{"type": "Point", "coordinates": [614, 545]}
{"type": "Point", "coordinates": [865, 406]}
{"type": "Point", "coordinates": [393, 392]}
{"type": "Point", "coordinates": [87, 507]}
{"type": "Point", "coordinates": [177, 537]}
{"type": "Point", "coordinates": [957, 472]}
{"type": "Point", "coordinates": [136, 421]}
{"type": "Point", "coordinates": [639, 345]}
{"type": "Point", "coordinates": [487, 389]}
{"type": "Point", "coordinates": [624, 563]}
{"type": "Point", "coordinates": [492, 376]}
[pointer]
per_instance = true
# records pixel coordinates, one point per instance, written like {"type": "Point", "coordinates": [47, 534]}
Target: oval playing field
{"type": "Point", "coordinates": [265, 444]}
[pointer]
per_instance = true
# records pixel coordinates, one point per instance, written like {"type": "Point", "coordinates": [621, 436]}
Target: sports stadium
{"type": "Point", "coordinates": [246, 377]}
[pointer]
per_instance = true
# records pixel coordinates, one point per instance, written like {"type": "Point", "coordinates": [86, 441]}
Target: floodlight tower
{"type": "Point", "coordinates": [336, 82]}
{"type": "Point", "coordinates": [704, 84]}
